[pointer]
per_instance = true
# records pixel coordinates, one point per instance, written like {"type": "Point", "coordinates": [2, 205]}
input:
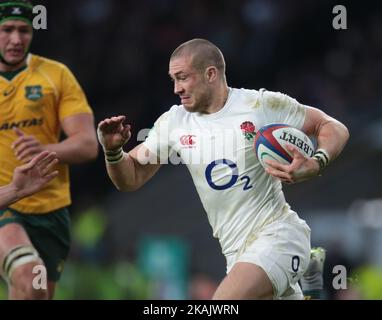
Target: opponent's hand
{"type": "Point", "coordinates": [112, 133]}
{"type": "Point", "coordinates": [31, 177]}
{"type": "Point", "coordinates": [26, 147]}
{"type": "Point", "coordinates": [299, 170]}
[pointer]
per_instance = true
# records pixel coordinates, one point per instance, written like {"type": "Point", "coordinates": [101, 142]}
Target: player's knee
{"type": "Point", "coordinates": [25, 273]}
{"type": "Point", "coordinates": [29, 284]}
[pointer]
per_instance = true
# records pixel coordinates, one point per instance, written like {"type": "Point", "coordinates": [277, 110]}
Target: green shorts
{"type": "Point", "coordinates": [49, 233]}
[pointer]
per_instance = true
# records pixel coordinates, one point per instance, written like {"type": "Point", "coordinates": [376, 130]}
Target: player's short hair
{"type": "Point", "coordinates": [203, 52]}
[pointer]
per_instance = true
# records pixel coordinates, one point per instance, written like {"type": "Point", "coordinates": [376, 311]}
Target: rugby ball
{"type": "Point", "coordinates": [271, 141]}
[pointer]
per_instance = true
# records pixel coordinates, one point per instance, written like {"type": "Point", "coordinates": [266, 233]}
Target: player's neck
{"type": "Point", "coordinates": [7, 68]}
{"type": "Point", "coordinates": [219, 99]}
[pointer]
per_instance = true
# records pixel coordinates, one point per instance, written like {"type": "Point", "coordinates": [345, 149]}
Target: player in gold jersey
{"type": "Point", "coordinates": [39, 100]}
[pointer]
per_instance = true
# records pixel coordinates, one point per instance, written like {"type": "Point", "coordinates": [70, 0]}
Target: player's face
{"type": "Point", "coordinates": [189, 84]}
{"type": "Point", "coordinates": [15, 39]}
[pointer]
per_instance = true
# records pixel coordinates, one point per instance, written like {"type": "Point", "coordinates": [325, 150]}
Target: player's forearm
{"type": "Point", "coordinates": [76, 149]}
{"type": "Point", "coordinates": [8, 195]}
{"type": "Point", "coordinates": [123, 174]}
{"type": "Point", "coordinates": [332, 137]}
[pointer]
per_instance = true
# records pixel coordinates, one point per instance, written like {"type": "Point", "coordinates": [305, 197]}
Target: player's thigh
{"type": "Point", "coordinates": [245, 281]}
{"type": "Point", "coordinates": [282, 250]}
{"type": "Point", "coordinates": [50, 235]}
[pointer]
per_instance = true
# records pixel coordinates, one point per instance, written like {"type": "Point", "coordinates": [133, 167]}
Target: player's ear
{"type": "Point", "coordinates": [211, 73]}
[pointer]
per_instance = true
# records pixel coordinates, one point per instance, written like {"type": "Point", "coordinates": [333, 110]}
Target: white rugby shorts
{"type": "Point", "coordinates": [282, 250]}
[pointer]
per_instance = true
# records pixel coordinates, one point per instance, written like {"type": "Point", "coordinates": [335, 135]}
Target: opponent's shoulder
{"type": "Point", "coordinates": [47, 65]}
{"type": "Point", "coordinates": [40, 61]}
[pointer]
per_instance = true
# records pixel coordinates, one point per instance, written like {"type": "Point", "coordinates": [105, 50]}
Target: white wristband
{"type": "Point", "coordinates": [323, 159]}
{"type": "Point", "coordinates": [114, 156]}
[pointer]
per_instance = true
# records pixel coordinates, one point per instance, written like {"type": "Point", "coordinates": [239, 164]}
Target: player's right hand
{"type": "Point", "coordinates": [301, 168]}
{"type": "Point", "coordinates": [112, 133]}
{"type": "Point", "coordinates": [31, 177]}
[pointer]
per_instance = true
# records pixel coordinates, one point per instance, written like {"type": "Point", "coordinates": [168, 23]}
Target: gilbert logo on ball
{"type": "Point", "coordinates": [271, 141]}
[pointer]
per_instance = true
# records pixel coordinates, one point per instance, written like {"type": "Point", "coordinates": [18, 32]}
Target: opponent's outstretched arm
{"type": "Point", "coordinates": [125, 170]}
{"type": "Point", "coordinates": [29, 178]}
{"type": "Point", "coordinates": [331, 137]}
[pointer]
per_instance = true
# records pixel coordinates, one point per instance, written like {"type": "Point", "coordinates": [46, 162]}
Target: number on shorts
{"type": "Point", "coordinates": [295, 263]}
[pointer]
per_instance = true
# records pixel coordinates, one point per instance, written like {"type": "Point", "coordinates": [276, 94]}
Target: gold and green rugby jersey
{"type": "Point", "coordinates": [36, 100]}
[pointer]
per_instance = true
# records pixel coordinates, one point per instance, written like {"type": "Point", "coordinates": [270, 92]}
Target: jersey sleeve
{"type": "Point", "coordinates": [158, 138]}
{"type": "Point", "coordinates": [72, 99]}
{"type": "Point", "coordinates": [280, 108]}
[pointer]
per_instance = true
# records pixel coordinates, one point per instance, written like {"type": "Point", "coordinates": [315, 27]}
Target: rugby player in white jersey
{"type": "Point", "coordinates": [266, 244]}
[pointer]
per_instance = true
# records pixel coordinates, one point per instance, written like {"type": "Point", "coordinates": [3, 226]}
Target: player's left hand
{"type": "Point", "coordinates": [26, 147]}
{"type": "Point", "coordinates": [299, 170]}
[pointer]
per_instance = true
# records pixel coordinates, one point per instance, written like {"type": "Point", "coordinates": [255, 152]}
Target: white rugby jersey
{"type": "Point", "coordinates": [237, 194]}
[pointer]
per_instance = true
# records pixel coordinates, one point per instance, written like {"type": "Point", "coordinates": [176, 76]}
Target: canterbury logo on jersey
{"type": "Point", "coordinates": [21, 124]}
{"type": "Point", "coordinates": [187, 140]}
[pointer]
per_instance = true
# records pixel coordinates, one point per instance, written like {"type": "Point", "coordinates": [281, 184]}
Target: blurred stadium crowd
{"type": "Point", "coordinates": [119, 50]}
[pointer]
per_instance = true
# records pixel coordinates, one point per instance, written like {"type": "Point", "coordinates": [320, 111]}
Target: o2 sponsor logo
{"type": "Point", "coordinates": [234, 175]}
